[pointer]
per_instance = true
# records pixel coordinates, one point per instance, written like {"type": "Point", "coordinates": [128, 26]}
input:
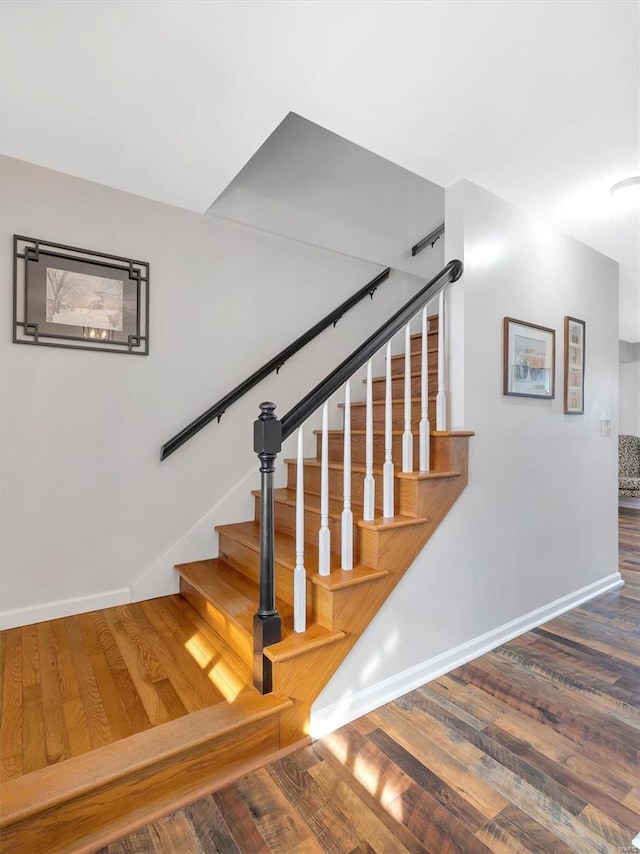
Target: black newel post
{"type": "Point", "coordinates": [267, 443]}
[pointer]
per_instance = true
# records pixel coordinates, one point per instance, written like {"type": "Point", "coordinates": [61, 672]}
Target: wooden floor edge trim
{"type": "Point", "coordinates": [226, 779]}
{"type": "Point", "coordinates": [41, 790]}
{"type": "Point", "coordinates": [287, 652]}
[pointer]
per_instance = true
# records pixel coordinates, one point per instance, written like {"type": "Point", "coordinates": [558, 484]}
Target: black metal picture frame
{"type": "Point", "coordinates": [64, 296]}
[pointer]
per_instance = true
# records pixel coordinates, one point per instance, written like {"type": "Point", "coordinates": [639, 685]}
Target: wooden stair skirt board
{"type": "Point", "coordinates": [87, 801]}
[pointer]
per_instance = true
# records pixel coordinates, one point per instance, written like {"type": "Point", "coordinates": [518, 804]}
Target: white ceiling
{"type": "Point", "coordinates": [537, 101]}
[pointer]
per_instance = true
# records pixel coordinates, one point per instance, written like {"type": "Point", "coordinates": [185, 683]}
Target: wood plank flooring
{"type": "Point", "coordinates": [78, 683]}
{"type": "Point", "coordinates": [530, 749]}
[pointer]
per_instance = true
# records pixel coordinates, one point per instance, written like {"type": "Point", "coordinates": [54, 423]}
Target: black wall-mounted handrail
{"type": "Point", "coordinates": [323, 391]}
{"type": "Point", "coordinates": [218, 409]}
{"type": "Point", "coordinates": [429, 239]}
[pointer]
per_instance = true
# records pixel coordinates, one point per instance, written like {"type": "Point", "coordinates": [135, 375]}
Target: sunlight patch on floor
{"type": "Point", "coordinates": [196, 649]}
{"type": "Point", "coordinates": [386, 792]}
{"type": "Point", "coordinates": [226, 680]}
{"type": "Point", "coordinates": [220, 672]}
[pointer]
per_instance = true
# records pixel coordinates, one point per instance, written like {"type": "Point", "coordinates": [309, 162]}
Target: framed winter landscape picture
{"type": "Point", "coordinates": [574, 360]}
{"type": "Point", "coordinates": [69, 297]}
{"type": "Point", "coordinates": [529, 359]}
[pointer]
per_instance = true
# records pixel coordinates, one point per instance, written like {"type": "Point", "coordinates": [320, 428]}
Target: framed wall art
{"type": "Point", "coordinates": [529, 361]}
{"type": "Point", "coordinates": [574, 361]}
{"type": "Point", "coordinates": [69, 297]}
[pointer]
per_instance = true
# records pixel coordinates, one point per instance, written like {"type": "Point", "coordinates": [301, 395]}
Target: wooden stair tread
{"type": "Point", "coordinates": [417, 475]}
{"type": "Point", "coordinates": [312, 502]}
{"type": "Point", "coordinates": [237, 596]}
{"type": "Point", "coordinates": [382, 524]}
{"type": "Point", "coordinates": [427, 475]}
{"type": "Point", "coordinates": [317, 462]}
{"type": "Point", "coordinates": [223, 585]}
{"type": "Point", "coordinates": [466, 433]}
{"type": "Point", "coordinates": [248, 533]}
{"type": "Point", "coordinates": [296, 643]}
{"type": "Point", "coordinates": [283, 495]}
{"type": "Point", "coordinates": [378, 432]}
{"type": "Point", "coordinates": [48, 787]}
{"type": "Point", "coordinates": [397, 401]}
{"type": "Point", "coordinates": [431, 348]}
{"type": "Point", "coordinates": [461, 433]}
{"type": "Point", "coordinates": [399, 377]}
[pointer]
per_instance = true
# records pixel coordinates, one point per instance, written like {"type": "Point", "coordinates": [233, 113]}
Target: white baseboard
{"type": "Point", "coordinates": [329, 718]}
{"type": "Point", "coordinates": [63, 608]}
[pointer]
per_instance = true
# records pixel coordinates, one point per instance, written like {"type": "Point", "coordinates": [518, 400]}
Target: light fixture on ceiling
{"type": "Point", "coordinates": [627, 192]}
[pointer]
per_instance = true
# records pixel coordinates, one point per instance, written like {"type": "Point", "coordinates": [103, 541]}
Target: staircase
{"type": "Point", "coordinates": [88, 800]}
{"type": "Point", "coordinates": [224, 590]}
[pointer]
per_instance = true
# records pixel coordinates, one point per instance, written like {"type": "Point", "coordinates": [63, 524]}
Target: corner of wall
{"type": "Point", "coordinates": [454, 305]}
{"type": "Point", "coordinates": [199, 543]}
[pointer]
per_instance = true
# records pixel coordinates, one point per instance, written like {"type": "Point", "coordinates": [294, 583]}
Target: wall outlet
{"type": "Point", "coordinates": [605, 427]}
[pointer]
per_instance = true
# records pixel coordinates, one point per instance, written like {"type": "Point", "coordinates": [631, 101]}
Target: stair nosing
{"type": "Point", "coordinates": [275, 655]}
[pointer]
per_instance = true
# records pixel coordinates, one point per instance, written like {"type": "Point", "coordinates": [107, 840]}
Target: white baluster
{"type": "Point", "coordinates": [441, 398]}
{"type": "Point", "coordinates": [425, 428]}
{"type": "Point", "coordinates": [300, 573]}
{"type": "Point", "coordinates": [324, 536]}
{"type": "Point", "coordinates": [369, 482]}
{"type": "Point", "coordinates": [387, 470]}
{"type": "Point", "coordinates": [347, 514]}
{"type": "Point", "coordinates": [407, 436]}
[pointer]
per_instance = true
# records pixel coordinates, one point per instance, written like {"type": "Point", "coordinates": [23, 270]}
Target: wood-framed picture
{"type": "Point", "coordinates": [529, 362]}
{"type": "Point", "coordinates": [64, 296]}
{"type": "Point", "coordinates": [574, 361]}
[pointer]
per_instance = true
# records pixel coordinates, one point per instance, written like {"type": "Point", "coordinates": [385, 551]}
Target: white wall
{"type": "Point", "coordinates": [630, 398]}
{"type": "Point", "coordinates": [536, 529]}
{"type": "Point", "coordinates": [88, 510]}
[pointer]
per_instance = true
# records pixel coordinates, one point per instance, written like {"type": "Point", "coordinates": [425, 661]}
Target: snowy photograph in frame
{"type": "Point", "coordinates": [64, 296]}
{"type": "Point", "coordinates": [81, 300]}
{"type": "Point", "coordinates": [574, 362]}
{"type": "Point", "coordinates": [529, 358]}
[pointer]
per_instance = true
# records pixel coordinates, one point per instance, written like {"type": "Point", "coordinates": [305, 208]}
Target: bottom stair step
{"type": "Point", "coordinates": [87, 801]}
{"type": "Point", "coordinates": [228, 601]}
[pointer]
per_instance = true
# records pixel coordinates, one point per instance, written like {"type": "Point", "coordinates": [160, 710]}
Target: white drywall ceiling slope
{"type": "Point", "coordinates": [314, 186]}
{"type": "Point", "coordinates": [539, 102]}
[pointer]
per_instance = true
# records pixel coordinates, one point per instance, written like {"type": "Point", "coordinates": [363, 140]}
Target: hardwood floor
{"type": "Point", "coordinates": [533, 747]}
{"type": "Point", "coordinates": [78, 683]}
